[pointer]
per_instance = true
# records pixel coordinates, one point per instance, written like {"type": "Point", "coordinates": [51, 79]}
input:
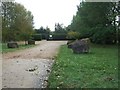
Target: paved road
{"type": "Point", "coordinates": [29, 68]}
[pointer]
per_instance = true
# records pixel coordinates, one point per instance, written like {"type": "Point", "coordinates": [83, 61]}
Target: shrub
{"type": "Point", "coordinates": [103, 36]}
{"type": "Point", "coordinates": [73, 35]}
{"type": "Point", "coordinates": [58, 36]}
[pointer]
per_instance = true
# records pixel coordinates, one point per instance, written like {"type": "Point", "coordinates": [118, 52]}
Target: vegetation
{"type": "Point", "coordinates": [96, 20]}
{"type": "Point", "coordinates": [37, 37]}
{"type": "Point", "coordinates": [5, 49]}
{"type": "Point", "coordinates": [58, 36]}
{"type": "Point", "coordinates": [98, 69]}
{"type": "Point", "coordinates": [59, 29]}
{"type": "Point", "coordinates": [60, 32]}
{"type": "Point", "coordinates": [17, 22]}
{"type": "Point", "coordinates": [73, 35]}
{"type": "Point", "coordinates": [44, 32]}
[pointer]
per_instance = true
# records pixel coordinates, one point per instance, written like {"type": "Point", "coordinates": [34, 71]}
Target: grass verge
{"type": "Point", "coordinates": [5, 49]}
{"type": "Point", "coordinates": [98, 69]}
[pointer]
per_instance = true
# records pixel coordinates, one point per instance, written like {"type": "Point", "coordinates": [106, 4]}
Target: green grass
{"type": "Point", "coordinates": [5, 49]}
{"type": "Point", "coordinates": [98, 69]}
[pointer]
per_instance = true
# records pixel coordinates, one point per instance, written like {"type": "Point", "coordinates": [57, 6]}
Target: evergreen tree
{"type": "Point", "coordinates": [95, 20]}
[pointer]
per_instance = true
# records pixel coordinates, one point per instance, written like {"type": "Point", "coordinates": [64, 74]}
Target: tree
{"type": "Point", "coordinates": [47, 30]}
{"type": "Point", "coordinates": [44, 32]}
{"type": "Point", "coordinates": [6, 20]}
{"type": "Point", "coordinates": [17, 22]}
{"type": "Point", "coordinates": [59, 29]}
{"type": "Point", "coordinates": [93, 19]}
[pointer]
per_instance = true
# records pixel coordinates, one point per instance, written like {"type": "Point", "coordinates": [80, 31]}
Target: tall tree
{"type": "Point", "coordinates": [93, 20]}
{"type": "Point", "coordinates": [59, 29]}
{"type": "Point", "coordinates": [17, 22]}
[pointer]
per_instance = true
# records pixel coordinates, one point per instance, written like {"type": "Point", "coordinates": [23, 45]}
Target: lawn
{"type": "Point", "coordinates": [5, 49]}
{"type": "Point", "coordinates": [98, 69]}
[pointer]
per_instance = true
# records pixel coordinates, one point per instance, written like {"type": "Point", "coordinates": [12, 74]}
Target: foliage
{"type": "Point", "coordinates": [59, 29]}
{"type": "Point", "coordinates": [58, 36]}
{"type": "Point", "coordinates": [98, 69]}
{"type": "Point", "coordinates": [37, 37]}
{"type": "Point", "coordinates": [108, 37]}
{"type": "Point", "coordinates": [44, 32]}
{"type": "Point", "coordinates": [17, 22]}
{"type": "Point", "coordinates": [73, 35]}
{"type": "Point", "coordinates": [94, 19]}
{"type": "Point", "coordinates": [60, 32]}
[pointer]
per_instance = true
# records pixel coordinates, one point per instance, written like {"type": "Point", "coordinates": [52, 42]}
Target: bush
{"type": "Point", "coordinates": [37, 37]}
{"type": "Point", "coordinates": [73, 35]}
{"type": "Point", "coordinates": [104, 36]}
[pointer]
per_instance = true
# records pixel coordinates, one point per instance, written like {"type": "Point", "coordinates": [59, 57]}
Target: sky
{"type": "Point", "coordinates": [49, 12]}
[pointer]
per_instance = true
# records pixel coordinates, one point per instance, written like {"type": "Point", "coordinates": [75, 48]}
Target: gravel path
{"type": "Point", "coordinates": [31, 67]}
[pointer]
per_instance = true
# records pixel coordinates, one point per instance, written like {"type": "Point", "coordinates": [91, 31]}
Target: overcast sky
{"type": "Point", "coordinates": [49, 12]}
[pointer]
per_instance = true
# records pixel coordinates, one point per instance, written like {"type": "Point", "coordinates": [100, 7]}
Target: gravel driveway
{"type": "Point", "coordinates": [31, 67]}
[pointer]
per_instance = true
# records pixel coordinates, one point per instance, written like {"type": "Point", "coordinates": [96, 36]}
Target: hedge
{"type": "Point", "coordinates": [58, 37]}
{"type": "Point", "coordinates": [45, 36]}
{"type": "Point", "coordinates": [37, 37]}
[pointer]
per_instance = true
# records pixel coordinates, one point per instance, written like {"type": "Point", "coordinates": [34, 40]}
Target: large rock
{"type": "Point", "coordinates": [12, 44]}
{"type": "Point", "coordinates": [80, 46]}
{"type": "Point", "coordinates": [69, 43]}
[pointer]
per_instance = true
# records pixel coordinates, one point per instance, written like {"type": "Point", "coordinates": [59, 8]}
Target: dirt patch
{"type": "Point", "coordinates": [31, 67]}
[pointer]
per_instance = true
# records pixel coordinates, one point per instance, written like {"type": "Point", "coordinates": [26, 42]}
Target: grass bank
{"type": "Point", "coordinates": [5, 49]}
{"type": "Point", "coordinates": [98, 69]}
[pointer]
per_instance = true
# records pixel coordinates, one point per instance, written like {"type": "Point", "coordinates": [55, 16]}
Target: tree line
{"type": "Point", "coordinates": [94, 20]}
{"type": "Point", "coordinates": [97, 20]}
{"type": "Point", "coordinates": [17, 24]}
{"type": "Point", "coordinates": [60, 32]}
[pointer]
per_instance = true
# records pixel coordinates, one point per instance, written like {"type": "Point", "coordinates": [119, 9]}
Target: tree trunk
{"type": "Point", "coordinates": [25, 42]}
